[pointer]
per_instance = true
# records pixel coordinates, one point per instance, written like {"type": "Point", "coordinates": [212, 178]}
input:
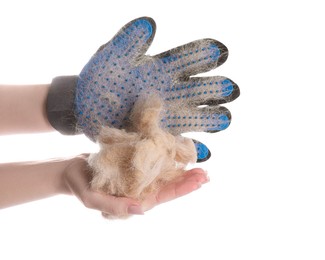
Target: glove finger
{"type": "Point", "coordinates": [204, 91]}
{"type": "Point", "coordinates": [203, 152]}
{"type": "Point", "coordinates": [207, 119]}
{"type": "Point", "coordinates": [133, 40]}
{"type": "Point", "coordinates": [194, 57]}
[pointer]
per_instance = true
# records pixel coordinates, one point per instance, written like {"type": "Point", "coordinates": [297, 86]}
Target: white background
{"type": "Point", "coordinates": [266, 197]}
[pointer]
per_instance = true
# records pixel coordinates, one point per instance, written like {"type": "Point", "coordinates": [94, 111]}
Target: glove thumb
{"type": "Point", "coordinates": [203, 152]}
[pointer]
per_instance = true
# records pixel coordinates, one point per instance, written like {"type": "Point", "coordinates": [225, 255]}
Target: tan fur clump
{"type": "Point", "coordinates": [139, 161]}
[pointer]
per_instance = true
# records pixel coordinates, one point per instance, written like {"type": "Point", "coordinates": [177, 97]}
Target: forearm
{"type": "Point", "coordinates": [23, 109]}
{"type": "Point", "coordinates": [29, 181]}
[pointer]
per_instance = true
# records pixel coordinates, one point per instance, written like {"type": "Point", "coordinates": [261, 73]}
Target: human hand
{"type": "Point", "coordinates": [190, 181]}
{"type": "Point", "coordinates": [107, 87]}
{"type": "Point", "coordinates": [77, 178]}
{"type": "Point", "coordinates": [120, 71]}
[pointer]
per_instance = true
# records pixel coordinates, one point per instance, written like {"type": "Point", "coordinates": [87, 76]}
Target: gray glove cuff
{"type": "Point", "coordinates": [60, 105]}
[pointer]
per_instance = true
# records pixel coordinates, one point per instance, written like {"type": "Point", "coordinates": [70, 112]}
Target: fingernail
{"type": "Point", "coordinates": [135, 210]}
{"type": "Point", "coordinates": [207, 179]}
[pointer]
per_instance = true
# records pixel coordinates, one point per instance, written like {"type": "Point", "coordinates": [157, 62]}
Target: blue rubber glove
{"type": "Point", "coordinates": [108, 86]}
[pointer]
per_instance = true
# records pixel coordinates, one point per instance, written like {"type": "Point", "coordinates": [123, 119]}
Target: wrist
{"type": "Point", "coordinates": [60, 183]}
{"type": "Point", "coordinates": [74, 175]}
{"type": "Point", "coordinates": [60, 106]}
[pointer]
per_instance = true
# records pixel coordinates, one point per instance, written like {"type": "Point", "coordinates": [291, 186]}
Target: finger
{"type": "Point", "coordinates": [207, 119]}
{"type": "Point", "coordinates": [204, 91]}
{"type": "Point", "coordinates": [194, 57]}
{"type": "Point", "coordinates": [197, 174]}
{"type": "Point", "coordinates": [188, 182]}
{"type": "Point", "coordinates": [132, 40]}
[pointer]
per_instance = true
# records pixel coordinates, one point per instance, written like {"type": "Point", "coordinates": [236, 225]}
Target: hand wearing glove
{"type": "Point", "coordinates": [119, 72]}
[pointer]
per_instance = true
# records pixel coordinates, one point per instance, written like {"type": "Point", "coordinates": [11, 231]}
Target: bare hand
{"type": "Point", "coordinates": [77, 178]}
